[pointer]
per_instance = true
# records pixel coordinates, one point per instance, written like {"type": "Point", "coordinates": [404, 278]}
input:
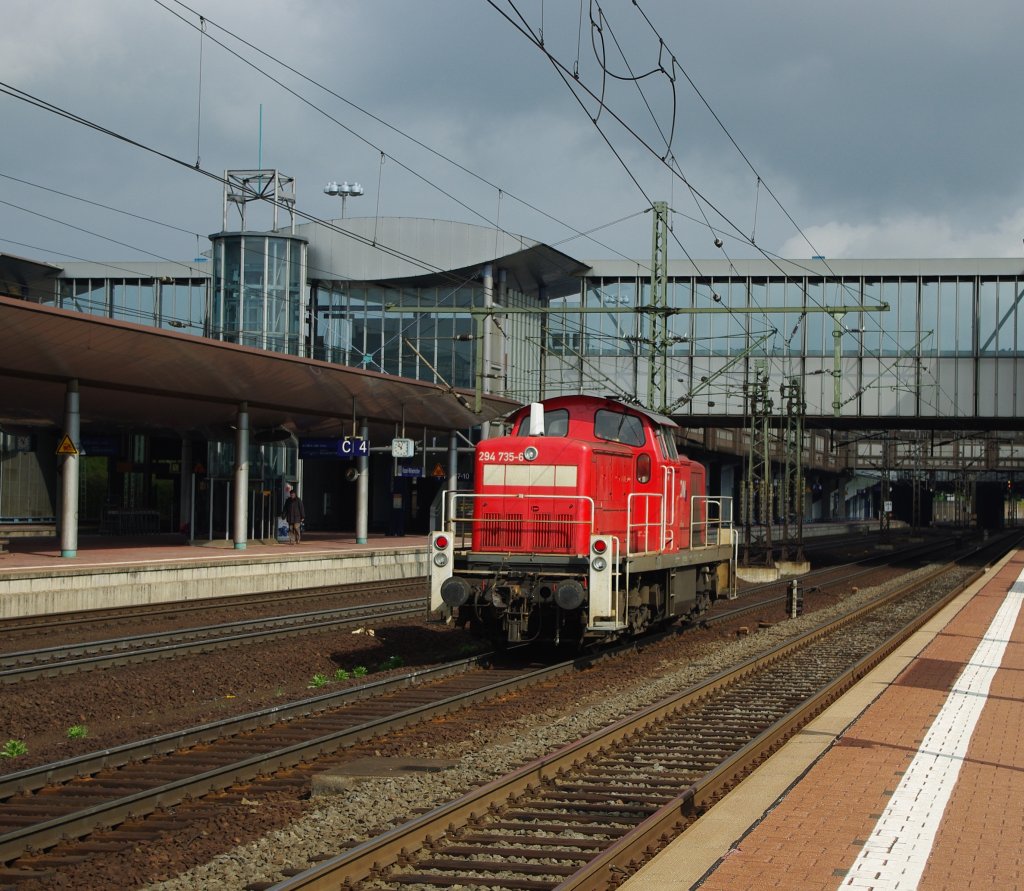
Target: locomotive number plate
{"type": "Point", "coordinates": [502, 457]}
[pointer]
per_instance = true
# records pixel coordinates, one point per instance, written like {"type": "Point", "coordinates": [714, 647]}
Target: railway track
{"type": "Point", "coordinates": [30, 664]}
{"type": "Point", "coordinates": [841, 577]}
{"type": "Point", "coordinates": [47, 806]}
{"type": "Point", "coordinates": [164, 638]}
{"type": "Point", "coordinates": [25, 665]}
{"type": "Point", "coordinates": [84, 626]}
{"type": "Point", "coordinates": [592, 813]}
{"type": "Point", "coordinates": [157, 774]}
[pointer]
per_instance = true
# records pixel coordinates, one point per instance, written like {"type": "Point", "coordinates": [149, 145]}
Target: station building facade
{"type": "Point", "coordinates": [935, 344]}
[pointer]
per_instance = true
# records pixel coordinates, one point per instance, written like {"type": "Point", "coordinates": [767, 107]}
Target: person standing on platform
{"type": "Point", "coordinates": [294, 515]}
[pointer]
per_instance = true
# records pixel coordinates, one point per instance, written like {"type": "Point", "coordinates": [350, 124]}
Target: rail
{"type": "Point", "coordinates": [556, 783]}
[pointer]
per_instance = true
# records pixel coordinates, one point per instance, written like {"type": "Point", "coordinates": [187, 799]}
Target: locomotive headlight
{"type": "Point", "coordinates": [599, 564]}
{"type": "Point", "coordinates": [440, 559]}
{"type": "Point", "coordinates": [530, 453]}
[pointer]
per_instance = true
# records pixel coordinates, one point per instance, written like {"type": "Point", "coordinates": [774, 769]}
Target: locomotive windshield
{"type": "Point", "coordinates": [618, 427]}
{"type": "Point", "coordinates": [556, 423]}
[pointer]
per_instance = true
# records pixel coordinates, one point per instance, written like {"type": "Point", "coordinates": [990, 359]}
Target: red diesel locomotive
{"type": "Point", "coordinates": [585, 524]}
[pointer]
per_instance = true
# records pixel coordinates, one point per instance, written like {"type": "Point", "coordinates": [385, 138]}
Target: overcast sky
{"type": "Point", "coordinates": [868, 129]}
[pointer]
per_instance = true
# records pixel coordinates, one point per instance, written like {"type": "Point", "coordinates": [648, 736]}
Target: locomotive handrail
{"type": "Point", "coordinates": [644, 526]}
{"type": "Point", "coordinates": [671, 506]}
{"type": "Point", "coordinates": [710, 521]}
{"type": "Point", "coordinates": [464, 518]}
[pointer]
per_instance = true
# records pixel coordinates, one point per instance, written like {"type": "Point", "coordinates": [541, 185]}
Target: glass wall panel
{"type": "Point", "coordinates": [880, 327]}
{"type": "Point", "coordinates": [463, 352]}
{"type": "Point", "coordinates": [389, 357]}
{"type": "Point", "coordinates": [997, 315]}
{"type": "Point", "coordinates": [296, 285]}
{"type": "Point", "coordinates": [990, 318]}
{"type": "Point", "coordinates": [88, 296]}
{"type": "Point", "coordinates": [680, 327]}
{"type": "Point", "coordinates": [907, 332]}
{"type": "Point", "coordinates": [817, 327]}
{"type": "Point", "coordinates": [930, 336]}
{"type": "Point", "coordinates": [965, 317]}
{"type": "Point", "coordinates": [125, 301]}
{"type": "Point", "coordinates": [277, 295]}
{"type": "Point", "coordinates": [849, 293]}
{"type": "Point", "coordinates": [254, 254]}
{"type": "Point", "coordinates": [758, 325]}
{"type": "Point", "coordinates": [229, 281]}
{"type": "Point", "coordinates": [183, 305]}
{"type": "Point", "coordinates": [609, 333]}
{"type": "Point", "coordinates": [1011, 294]}
{"type": "Point", "coordinates": [870, 334]}
{"type": "Point", "coordinates": [788, 326]}
{"type": "Point", "coordinates": [703, 323]}
{"type": "Point", "coordinates": [373, 329]}
{"type": "Point", "coordinates": [565, 330]}
{"type": "Point", "coordinates": [719, 333]}
{"type": "Point", "coordinates": [445, 364]}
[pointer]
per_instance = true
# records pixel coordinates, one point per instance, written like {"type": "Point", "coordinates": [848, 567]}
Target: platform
{"type": "Point", "coordinates": [119, 570]}
{"type": "Point", "coordinates": [914, 779]}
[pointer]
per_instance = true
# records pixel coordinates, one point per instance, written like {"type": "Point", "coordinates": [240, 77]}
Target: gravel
{"type": "Point", "coordinates": [560, 714]}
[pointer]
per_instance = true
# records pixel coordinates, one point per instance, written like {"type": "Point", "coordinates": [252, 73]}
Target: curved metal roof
{"type": "Point", "coordinates": [422, 251]}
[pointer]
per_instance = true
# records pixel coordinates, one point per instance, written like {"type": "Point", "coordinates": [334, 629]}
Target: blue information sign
{"type": "Point", "coordinates": [100, 446]}
{"type": "Point", "coordinates": [334, 447]}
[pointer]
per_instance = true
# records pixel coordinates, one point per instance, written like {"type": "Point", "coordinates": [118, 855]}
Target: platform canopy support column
{"type": "Point", "coordinates": [363, 490]}
{"type": "Point", "coordinates": [69, 449]}
{"type": "Point", "coordinates": [240, 512]}
{"type": "Point", "coordinates": [185, 494]}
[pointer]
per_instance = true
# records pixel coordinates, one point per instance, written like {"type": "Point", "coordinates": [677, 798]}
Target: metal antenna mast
{"type": "Point", "coordinates": [757, 487]}
{"type": "Point", "coordinates": [791, 494]}
{"type": "Point", "coordinates": [657, 386]}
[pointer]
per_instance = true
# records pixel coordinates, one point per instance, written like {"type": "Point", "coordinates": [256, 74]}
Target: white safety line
{"type": "Point", "coordinates": [894, 857]}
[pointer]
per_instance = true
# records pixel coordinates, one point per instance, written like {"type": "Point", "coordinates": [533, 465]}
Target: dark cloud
{"type": "Point", "coordinates": [882, 128]}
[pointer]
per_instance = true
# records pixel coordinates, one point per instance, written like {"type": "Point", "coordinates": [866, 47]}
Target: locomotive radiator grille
{"type": "Point", "coordinates": [523, 523]}
{"type": "Point", "coordinates": [500, 532]}
{"type": "Point", "coordinates": [549, 533]}
{"type": "Point", "coordinates": [553, 533]}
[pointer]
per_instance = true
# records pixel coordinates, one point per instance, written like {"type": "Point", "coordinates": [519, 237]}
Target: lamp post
{"type": "Point", "coordinates": [345, 190]}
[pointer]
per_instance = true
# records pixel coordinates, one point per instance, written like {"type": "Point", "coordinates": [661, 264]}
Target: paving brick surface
{"type": "Point", "coordinates": [815, 833]}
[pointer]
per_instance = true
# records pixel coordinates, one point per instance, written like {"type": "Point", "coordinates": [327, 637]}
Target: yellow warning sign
{"type": "Point", "coordinates": [66, 447]}
{"type": "Point", "coordinates": [437, 471]}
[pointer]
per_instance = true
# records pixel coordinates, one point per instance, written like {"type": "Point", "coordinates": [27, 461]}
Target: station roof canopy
{"type": "Point", "coordinates": [437, 253]}
{"type": "Point", "coordinates": [165, 381]}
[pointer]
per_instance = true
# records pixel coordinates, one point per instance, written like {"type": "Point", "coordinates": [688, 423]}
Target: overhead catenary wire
{"type": "Point", "coordinates": [382, 153]}
{"type": "Point", "coordinates": [598, 96]}
{"type": "Point", "coordinates": [419, 143]}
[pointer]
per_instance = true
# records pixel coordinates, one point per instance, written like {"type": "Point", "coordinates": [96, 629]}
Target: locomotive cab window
{"type": "Point", "coordinates": [556, 423]}
{"type": "Point", "coordinates": [618, 427]}
{"type": "Point", "coordinates": [668, 443]}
